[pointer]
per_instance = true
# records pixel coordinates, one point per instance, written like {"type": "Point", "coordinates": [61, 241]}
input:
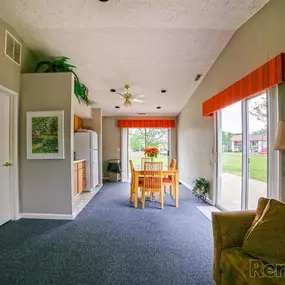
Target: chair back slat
{"type": "Point", "coordinates": [143, 160]}
{"type": "Point", "coordinates": [153, 175]}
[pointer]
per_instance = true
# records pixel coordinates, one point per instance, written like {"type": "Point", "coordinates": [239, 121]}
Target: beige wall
{"type": "Point", "coordinates": [257, 41]}
{"type": "Point", "coordinates": [112, 139]}
{"type": "Point", "coordinates": [10, 71]}
{"type": "Point", "coordinates": [45, 185]}
{"type": "Point", "coordinates": [96, 125]}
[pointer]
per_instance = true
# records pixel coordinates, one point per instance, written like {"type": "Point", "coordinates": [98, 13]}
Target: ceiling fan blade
{"type": "Point", "coordinates": [138, 100]}
{"type": "Point", "coordinates": [138, 95]}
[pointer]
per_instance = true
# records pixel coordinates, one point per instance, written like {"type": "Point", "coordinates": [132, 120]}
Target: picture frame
{"type": "Point", "coordinates": [45, 135]}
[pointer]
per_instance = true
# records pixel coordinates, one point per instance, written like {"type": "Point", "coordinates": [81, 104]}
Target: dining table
{"type": "Point", "coordinates": [174, 173]}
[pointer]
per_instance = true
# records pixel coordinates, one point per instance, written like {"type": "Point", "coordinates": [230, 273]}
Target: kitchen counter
{"type": "Point", "coordinates": [79, 160]}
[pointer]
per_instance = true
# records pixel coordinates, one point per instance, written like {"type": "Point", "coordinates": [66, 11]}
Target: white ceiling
{"type": "Point", "coordinates": [151, 45]}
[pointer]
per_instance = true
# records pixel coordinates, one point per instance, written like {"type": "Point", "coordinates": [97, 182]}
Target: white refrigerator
{"type": "Point", "coordinates": [86, 147]}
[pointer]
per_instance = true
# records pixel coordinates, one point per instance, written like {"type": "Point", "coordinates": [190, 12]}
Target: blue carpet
{"type": "Point", "coordinates": [110, 242]}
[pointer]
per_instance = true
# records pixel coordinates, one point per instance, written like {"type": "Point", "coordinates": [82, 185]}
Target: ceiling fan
{"type": "Point", "coordinates": [128, 98]}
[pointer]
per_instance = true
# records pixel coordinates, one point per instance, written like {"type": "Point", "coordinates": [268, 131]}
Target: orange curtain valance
{"type": "Point", "coordinates": [266, 76]}
{"type": "Point", "coordinates": [146, 124]}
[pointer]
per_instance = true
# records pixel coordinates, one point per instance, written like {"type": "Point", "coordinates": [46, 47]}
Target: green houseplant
{"type": "Point", "coordinates": [60, 64]}
{"type": "Point", "coordinates": [201, 188]}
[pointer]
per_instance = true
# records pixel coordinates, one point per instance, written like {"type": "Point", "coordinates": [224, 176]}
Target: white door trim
{"type": "Point", "coordinates": [14, 178]}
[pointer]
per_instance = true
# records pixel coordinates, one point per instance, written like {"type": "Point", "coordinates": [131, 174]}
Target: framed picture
{"type": "Point", "coordinates": [45, 135]}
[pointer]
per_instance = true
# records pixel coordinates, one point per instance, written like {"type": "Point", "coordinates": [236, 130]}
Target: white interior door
{"type": "Point", "coordinates": [5, 187]}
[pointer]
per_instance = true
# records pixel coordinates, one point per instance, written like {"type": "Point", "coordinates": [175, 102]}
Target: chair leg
{"type": "Point", "coordinates": [170, 187]}
{"type": "Point", "coordinates": [143, 198]}
{"type": "Point", "coordinates": [131, 191]}
{"type": "Point", "coordinates": [150, 195]}
{"type": "Point", "coordinates": [162, 199]}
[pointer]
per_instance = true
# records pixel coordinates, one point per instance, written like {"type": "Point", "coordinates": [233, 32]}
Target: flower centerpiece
{"type": "Point", "coordinates": [151, 152]}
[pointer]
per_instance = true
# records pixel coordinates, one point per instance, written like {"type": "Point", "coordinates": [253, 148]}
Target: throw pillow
{"type": "Point", "coordinates": [266, 240]}
{"type": "Point", "coordinates": [262, 203]}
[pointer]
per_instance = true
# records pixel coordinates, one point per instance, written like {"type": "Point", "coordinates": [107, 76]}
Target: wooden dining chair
{"type": "Point", "coordinates": [143, 160]}
{"type": "Point", "coordinates": [132, 184]}
{"type": "Point", "coordinates": [169, 179]}
{"type": "Point", "coordinates": [152, 181]}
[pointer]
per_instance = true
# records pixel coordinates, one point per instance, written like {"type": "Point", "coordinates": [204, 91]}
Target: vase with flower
{"type": "Point", "coordinates": [151, 152]}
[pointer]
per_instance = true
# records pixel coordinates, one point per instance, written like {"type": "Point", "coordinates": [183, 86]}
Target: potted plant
{"type": "Point", "coordinates": [201, 188]}
{"type": "Point", "coordinates": [60, 64]}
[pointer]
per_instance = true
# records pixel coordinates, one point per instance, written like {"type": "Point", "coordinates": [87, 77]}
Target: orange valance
{"type": "Point", "coordinates": [264, 77]}
{"type": "Point", "coordinates": [159, 124]}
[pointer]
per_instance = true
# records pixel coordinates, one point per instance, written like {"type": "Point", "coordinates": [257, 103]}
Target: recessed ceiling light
{"type": "Point", "coordinates": [158, 107]}
{"type": "Point", "coordinates": [113, 90]}
{"type": "Point", "coordinates": [141, 114]}
{"type": "Point", "coordinates": [163, 91]}
{"type": "Point", "coordinates": [103, 0]}
{"type": "Point", "coordinates": [117, 107]}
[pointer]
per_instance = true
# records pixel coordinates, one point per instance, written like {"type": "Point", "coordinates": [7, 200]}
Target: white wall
{"type": "Point", "coordinates": [257, 41]}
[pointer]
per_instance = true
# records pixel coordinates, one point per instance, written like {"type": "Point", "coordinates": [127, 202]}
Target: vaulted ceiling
{"type": "Point", "coordinates": [151, 45]}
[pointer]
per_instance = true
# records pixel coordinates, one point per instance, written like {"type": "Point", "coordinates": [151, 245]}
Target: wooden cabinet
{"type": "Point", "coordinates": [77, 123]}
{"type": "Point", "coordinates": [79, 177]}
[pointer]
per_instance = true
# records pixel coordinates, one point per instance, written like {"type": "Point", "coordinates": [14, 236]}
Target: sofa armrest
{"type": "Point", "coordinates": [229, 229]}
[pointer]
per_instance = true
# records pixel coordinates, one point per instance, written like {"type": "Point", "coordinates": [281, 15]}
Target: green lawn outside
{"type": "Point", "coordinates": [232, 163]}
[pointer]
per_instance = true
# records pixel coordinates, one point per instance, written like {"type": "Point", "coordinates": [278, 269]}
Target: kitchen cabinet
{"type": "Point", "coordinates": [79, 177]}
{"type": "Point", "coordinates": [77, 123]}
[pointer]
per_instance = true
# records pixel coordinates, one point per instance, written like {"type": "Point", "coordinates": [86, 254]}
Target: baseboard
{"type": "Point", "coordinates": [209, 201]}
{"type": "Point", "coordinates": [190, 187]}
{"type": "Point", "coordinates": [185, 184]}
{"type": "Point", "coordinates": [46, 216]}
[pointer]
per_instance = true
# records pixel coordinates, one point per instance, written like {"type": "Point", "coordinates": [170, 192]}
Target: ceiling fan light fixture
{"type": "Point", "coordinates": [127, 103]}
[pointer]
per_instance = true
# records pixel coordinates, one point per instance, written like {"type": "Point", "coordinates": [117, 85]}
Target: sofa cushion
{"type": "Point", "coordinates": [262, 203]}
{"type": "Point", "coordinates": [266, 240]}
{"type": "Point", "coordinates": [238, 268]}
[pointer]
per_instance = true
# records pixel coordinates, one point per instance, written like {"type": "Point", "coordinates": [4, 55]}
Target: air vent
{"type": "Point", "coordinates": [198, 76]}
{"type": "Point", "coordinates": [13, 48]}
{"type": "Point", "coordinates": [142, 114]}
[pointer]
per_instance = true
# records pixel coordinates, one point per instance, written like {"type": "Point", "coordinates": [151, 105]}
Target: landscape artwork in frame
{"type": "Point", "coordinates": [45, 136]}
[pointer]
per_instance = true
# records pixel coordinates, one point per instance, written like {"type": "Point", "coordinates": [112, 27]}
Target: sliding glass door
{"type": "Point", "coordinates": [242, 153]}
{"type": "Point", "coordinates": [257, 149]}
{"type": "Point", "coordinates": [140, 138]}
{"type": "Point", "coordinates": [230, 158]}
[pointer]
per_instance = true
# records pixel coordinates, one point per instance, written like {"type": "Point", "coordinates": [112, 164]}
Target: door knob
{"type": "Point", "coordinates": [7, 164]}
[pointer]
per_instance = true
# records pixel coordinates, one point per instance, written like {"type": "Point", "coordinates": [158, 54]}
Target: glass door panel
{"type": "Point", "coordinates": [230, 158]}
{"type": "Point", "coordinates": [136, 141]}
{"type": "Point", "coordinates": [159, 138]}
{"type": "Point", "coordinates": [257, 149]}
{"type": "Point", "coordinates": [140, 138]}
